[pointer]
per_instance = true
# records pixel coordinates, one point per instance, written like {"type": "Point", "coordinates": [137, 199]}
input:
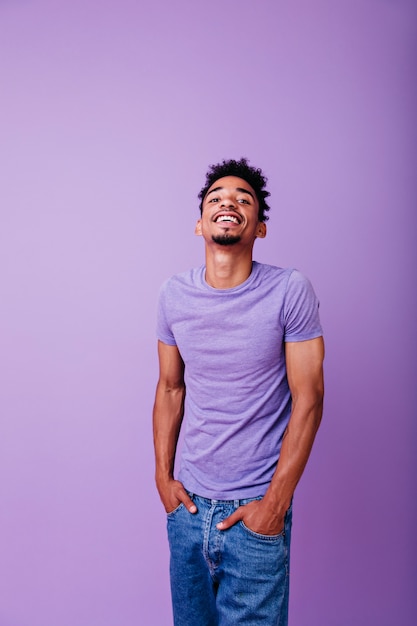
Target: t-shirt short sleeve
{"type": "Point", "coordinates": [301, 310]}
{"type": "Point", "coordinates": [163, 329]}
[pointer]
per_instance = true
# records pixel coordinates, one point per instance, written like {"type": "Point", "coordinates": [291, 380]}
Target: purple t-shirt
{"type": "Point", "coordinates": [237, 402]}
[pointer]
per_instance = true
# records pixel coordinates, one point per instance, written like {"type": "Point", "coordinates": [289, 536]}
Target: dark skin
{"type": "Point", "coordinates": [228, 266]}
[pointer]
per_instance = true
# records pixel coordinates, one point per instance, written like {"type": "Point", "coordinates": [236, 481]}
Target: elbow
{"type": "Point", "coordinates": [171, 386]}
{"type": "Point", "coordinates": [176, 389]}
{"type": "Point", "coordinates": [310, 405]}
{"type": "Point", "coordinates": [319, 411]}
{"type": "Point", "coordinates": [318, 407]}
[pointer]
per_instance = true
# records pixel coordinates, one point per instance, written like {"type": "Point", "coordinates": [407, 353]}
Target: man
{"type": "Point", "coordinates": [240, 353]}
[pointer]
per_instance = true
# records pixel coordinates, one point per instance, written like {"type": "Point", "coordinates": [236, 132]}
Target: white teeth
{"type": "Point", "coordinates": [227, 218]}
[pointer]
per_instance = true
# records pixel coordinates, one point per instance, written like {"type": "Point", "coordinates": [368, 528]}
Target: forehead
{"type": "Point", "coordinates": [232, 183]}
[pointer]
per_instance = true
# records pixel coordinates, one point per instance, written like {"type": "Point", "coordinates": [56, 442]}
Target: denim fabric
{"type": "Point", "coordinates": [230, 577]}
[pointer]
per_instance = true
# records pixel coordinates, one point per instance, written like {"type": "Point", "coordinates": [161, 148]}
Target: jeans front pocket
{"type": "Point", "coordinates": [175, 511]}
{"type": "Point", "coordinates": [267, 538]}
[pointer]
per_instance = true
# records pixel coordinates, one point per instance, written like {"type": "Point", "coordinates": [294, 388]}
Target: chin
{"type": "Point", "coordinates": [226, 240]}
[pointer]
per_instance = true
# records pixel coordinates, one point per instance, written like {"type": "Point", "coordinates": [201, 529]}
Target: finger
{"type": "Point", "coordinates": [187, 502]}
{"type": "Point", "coordinates": [236, 516]}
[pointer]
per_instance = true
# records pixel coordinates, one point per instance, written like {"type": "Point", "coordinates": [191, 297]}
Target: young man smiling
{"type": "Point", "coordinates": [240, 352]}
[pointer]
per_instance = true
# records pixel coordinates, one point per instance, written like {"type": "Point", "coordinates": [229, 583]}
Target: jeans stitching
{"type": "Point", "coordinates": [177, 508]}
{"type": "Point", "coordinates": [206, 537]}
{"type": "Point", "coordinates": [266, 538]}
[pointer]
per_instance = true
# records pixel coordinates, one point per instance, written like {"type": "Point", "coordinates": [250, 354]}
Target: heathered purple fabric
{"type": "Point", "coordinates": [237, 402]}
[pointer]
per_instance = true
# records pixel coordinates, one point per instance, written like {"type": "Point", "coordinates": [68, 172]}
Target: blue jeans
{"type": "Point", "coordinates": [229, 577]}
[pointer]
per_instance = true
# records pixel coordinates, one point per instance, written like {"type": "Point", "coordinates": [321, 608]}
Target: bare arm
{"type": "Point", "coordinates": [167, 418]}
{"type": "Point", "coordinates": [304, 362]}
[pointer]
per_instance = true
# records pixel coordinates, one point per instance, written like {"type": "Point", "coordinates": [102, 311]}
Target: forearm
{"type": "Point", "coordinates": [266, 516]}
{"type": "Point", "coordinates": [167, 418]}
{"type": "Point", "coordinates": [295, 450]}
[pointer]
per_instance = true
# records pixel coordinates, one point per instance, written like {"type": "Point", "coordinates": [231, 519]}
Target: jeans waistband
{"type": "Point", "coordinates": [236, 502]}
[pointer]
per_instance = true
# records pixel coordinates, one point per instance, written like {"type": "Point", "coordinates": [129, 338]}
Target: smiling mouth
{"type": "Point", "coordinates": [226, 218]}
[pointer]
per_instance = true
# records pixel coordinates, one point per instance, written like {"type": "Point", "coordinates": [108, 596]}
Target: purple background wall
{"type": "Point", "coordinates": [110, 113]}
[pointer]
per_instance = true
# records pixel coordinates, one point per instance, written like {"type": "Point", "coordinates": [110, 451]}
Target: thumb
{"type": "Point", "coordinates": [236, 516]}
{"type": "Point", "coordinates": [188, 503]}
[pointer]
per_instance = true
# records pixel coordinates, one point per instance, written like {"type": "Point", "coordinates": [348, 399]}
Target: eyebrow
{"type": "Point", "coordinates": [240, 189]}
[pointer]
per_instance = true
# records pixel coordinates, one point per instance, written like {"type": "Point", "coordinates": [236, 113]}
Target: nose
{"type": "Point", "coordinates": [227, 203]}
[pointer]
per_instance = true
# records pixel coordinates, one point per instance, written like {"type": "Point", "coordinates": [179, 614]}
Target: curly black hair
{"type": "Point", "coordinates": [252, 175]}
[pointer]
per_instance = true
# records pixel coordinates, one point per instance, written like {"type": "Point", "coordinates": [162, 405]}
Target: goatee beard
{"type": "Point", "coordinates": [226, 240]}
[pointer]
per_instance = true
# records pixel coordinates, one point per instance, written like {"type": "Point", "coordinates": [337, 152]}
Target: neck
{"type": "Point", "coordinates": [227, 267]}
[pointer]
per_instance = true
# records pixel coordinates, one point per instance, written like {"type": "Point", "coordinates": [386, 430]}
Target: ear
{"type": "Point", "coordinates": [261, 230]}
{"type": "Point", "coordinates": [197, 230]}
